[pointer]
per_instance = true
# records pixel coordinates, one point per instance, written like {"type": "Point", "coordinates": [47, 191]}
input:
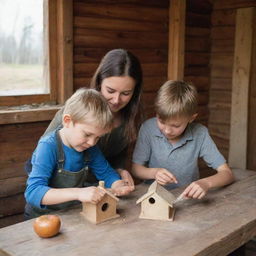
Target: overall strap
{"type": "Point", "coordinates": [87, 157]}
{"type": "Point", "coordinates": [60, 153]}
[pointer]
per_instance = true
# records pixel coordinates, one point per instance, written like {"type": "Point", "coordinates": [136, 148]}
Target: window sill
{"type": "Point", "coordinates": [28, 114]}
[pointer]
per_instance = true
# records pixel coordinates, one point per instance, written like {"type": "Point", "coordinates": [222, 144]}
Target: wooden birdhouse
{"type": "Point", "coordinates": [157, 203]}
{"type": "Point", "coordinates": [102, 211]}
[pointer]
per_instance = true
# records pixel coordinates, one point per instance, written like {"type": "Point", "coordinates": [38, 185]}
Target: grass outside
{"type": "Point", "coordinates": [21, 79]}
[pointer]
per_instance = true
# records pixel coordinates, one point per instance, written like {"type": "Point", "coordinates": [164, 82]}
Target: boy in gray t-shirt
{"type": "Point", "coordinates": [169, 145]}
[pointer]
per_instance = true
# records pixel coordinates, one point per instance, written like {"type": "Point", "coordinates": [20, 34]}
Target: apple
{"type": "Point", "coordinates": [47, 225]}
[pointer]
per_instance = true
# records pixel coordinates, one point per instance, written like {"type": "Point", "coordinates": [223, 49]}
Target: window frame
{"type": "Point", "coordinates": [60, 20]}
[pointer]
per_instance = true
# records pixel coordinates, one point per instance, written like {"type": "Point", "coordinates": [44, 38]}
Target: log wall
{"type": "Point", "coordinates": [17, 142]}
{"type": "Point", "coordinates": [222, 55]}
{"type": "Point", "coordinates": [139, 26]}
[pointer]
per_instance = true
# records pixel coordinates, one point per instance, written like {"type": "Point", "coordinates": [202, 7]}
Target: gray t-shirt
{"type": "Point", "coordinates": [155, 151]}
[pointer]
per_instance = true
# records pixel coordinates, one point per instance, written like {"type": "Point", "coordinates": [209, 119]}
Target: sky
{"type": "Point", "coordinates": [14, 13]}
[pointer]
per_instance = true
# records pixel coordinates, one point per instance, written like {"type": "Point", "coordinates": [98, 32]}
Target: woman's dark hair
{"type": "Point", "coordinates": [120, 62]}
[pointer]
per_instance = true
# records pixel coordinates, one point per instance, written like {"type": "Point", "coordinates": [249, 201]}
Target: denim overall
{"type": "Point", "coordinates": [62, 179]}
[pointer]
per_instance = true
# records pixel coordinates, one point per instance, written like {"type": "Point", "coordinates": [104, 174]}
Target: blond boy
{"type": "Point", "coordinates": [62, 158]}
{"type": "Point", "coordinates": [169, 145]}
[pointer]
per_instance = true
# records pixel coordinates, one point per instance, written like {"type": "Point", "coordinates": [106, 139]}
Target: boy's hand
{"type": "Point", "coordinates": [126, 177]}
{"type": "Point", "coordinates": [91, 194]}
{"type": "Point", "coordinates": [196, 189]}
{"type": "Point", "coordinates": [120, 188]}
{"type": "Point", "coordinates": [163, 176]}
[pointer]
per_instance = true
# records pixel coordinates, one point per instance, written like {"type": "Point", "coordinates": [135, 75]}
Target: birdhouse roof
{"type": "Point", "coordinates": [110, 194]}
{"type": "Point", "coordinates": [160, 191]}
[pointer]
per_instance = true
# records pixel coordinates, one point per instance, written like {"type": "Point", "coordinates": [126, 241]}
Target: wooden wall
{"type": "Point", "coordinates": [197, 51]}
{"type": "Point", "coordinates": [139, 26]}
{"type": "Point", "coordinates": [17, 142]}
{"type": "Point", "coordinates": [100, 25]}
{"type": "Point", "coordinates": [222, 55]}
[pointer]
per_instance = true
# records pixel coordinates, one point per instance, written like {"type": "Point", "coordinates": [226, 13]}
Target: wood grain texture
{"type": "Point", "coordinates": [240, 87]}
{"type": "Point", "coordinates": [202, 227]}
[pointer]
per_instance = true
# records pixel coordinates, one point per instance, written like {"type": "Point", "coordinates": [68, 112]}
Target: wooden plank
{"type": "Point", "coordinates": [233, 4]}
{"type": "Point", "coordinates": [199, 6]}
{"type": "Point", "coordinates": [198, 20]}
{"type": "Point", "coordinates": [90, 38]}
{"type": "Point", "coordinates": [145, 3]}
{"type": "Point", "coordinates": [13, 169]}
{"type": "Point", "coordinates": [251, 160]}
{"type": "Point", "coordinates": [65, 49]}
{"type": "Point", "coordinates": [149, 69]}
{"type": "Point", "coordinates": [224, 71]}
{"type": "Point", "coordinates": [240, 87]}
{"type": "Point", "coordinates": [12, 186]}
{"type": "Point", "coordinates": [220, 98]}
{"type": "Point", "coordinates": [8, 101]}
{"type": "Point", "coordinates": [121, 11]}
{"type": "Point", "coordinates": [197, 44]}
{"type": "Point", "coordinates": [223, 33]}
{"type": "Point", "coordinates": [219, 130]}
{"type": "Point", "coordinates": [197, 71]}
{"type": "Point", "coordinates": [10, 220]}
{"type": "Point", "coordinates": [202, 83]}
{"type": "Point", "coordinates": [28, 115]}
{"type": "Point", "coordinates": [222, 46]}
{"type": "Point", "coordinates": [177, 12]}
{"type": "Point", "coordinates": [94, 55]}
{"type": "Point", "coordinates": [197, 59]}
{"type": "Point", "coordinates": [197, 32]}
{"type": "Point", "coordinates": [220, 115]}
{"type": "Point", "coordinates": [12, 205]}
{"type": "Point", "coordinates": [221, 83]}
{"type": "Point", "coordinates": [18, 142]}
{"type": "Point", "coordinates": [118, 24]}
{"type": "Point", "coordinates": [224, 17]}
{"type": "Point", "coordinates": [149, 98]}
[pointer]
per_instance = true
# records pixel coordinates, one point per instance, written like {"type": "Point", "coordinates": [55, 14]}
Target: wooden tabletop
{"type": "Point", "coordinates": [216, 225]}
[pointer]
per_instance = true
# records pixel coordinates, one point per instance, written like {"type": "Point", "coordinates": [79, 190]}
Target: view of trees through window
{"type": "Point", "coordinates": [23, 58]}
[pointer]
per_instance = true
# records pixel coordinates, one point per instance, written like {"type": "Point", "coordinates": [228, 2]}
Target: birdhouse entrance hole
{"type": "Point", "coordinates": [104, 207]}
{"type": "Point", "coordinates": [151, 200]}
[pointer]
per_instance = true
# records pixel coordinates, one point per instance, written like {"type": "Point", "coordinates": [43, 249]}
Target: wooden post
{"type": "Point", "coordinates": [65, 49]}
{"type": "Point", "coordinates": [102, 184]}
{"type": "Point", "coordinates": [240, 88]}
{"type": "Point", "coordinates": [177, 15]}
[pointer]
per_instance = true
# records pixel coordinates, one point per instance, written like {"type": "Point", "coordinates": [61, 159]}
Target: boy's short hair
{"type": "Point", "coordinates": [89, 106]}
{"type": "Point", "coordinates": [176, 98]}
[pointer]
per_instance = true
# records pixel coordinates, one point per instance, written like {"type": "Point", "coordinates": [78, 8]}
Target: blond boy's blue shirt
{"type": "Point", "coordinates": [155, 151]}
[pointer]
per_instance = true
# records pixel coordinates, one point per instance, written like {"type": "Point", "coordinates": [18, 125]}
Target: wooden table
{"type": "Point", "coordinates": [216, 225]}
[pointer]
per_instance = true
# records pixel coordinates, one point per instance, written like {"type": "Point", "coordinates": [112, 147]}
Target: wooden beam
{"type": "Point", "coordinates": [240, 87]}
{"type": "Point", "coordinates": [28, 115]}
{"type": "Point", "coordinates": [251, 159]}
{"type": "Point", "coordinates": [177, 14]}
{"type": "Point", "coordinates": [65, 49]}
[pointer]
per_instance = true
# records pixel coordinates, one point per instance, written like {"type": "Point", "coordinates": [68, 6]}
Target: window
{"type": "Point", "coordinates": [22, 51]}
{"type": "Point", "coordinates": [35, 52]}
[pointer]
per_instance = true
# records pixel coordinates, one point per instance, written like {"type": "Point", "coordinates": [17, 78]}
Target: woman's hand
{"type": "Point", "coordinates": [126, 177]}
{"type": "Point", "coordinates": [120, 188]}
{"type": "Point", "coordinates": [163, 176]}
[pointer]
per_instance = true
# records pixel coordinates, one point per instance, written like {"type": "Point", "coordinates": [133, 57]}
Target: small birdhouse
{"type": "Point", "coordinates": [102, 211]}
{"type": "Point", "coordinates": [157, 203]}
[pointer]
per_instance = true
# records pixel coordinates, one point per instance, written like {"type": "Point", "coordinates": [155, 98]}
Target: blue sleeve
{"type": "Point", "coordinates": [142, 150]}
{"type": "Point", "coordinates": [101, 168]}
{"type": "Point", "coordinates": [44, 161]}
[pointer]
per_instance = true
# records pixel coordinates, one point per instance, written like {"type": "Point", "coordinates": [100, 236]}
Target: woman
{"type": "Point", "coordinates": [119, 79]}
